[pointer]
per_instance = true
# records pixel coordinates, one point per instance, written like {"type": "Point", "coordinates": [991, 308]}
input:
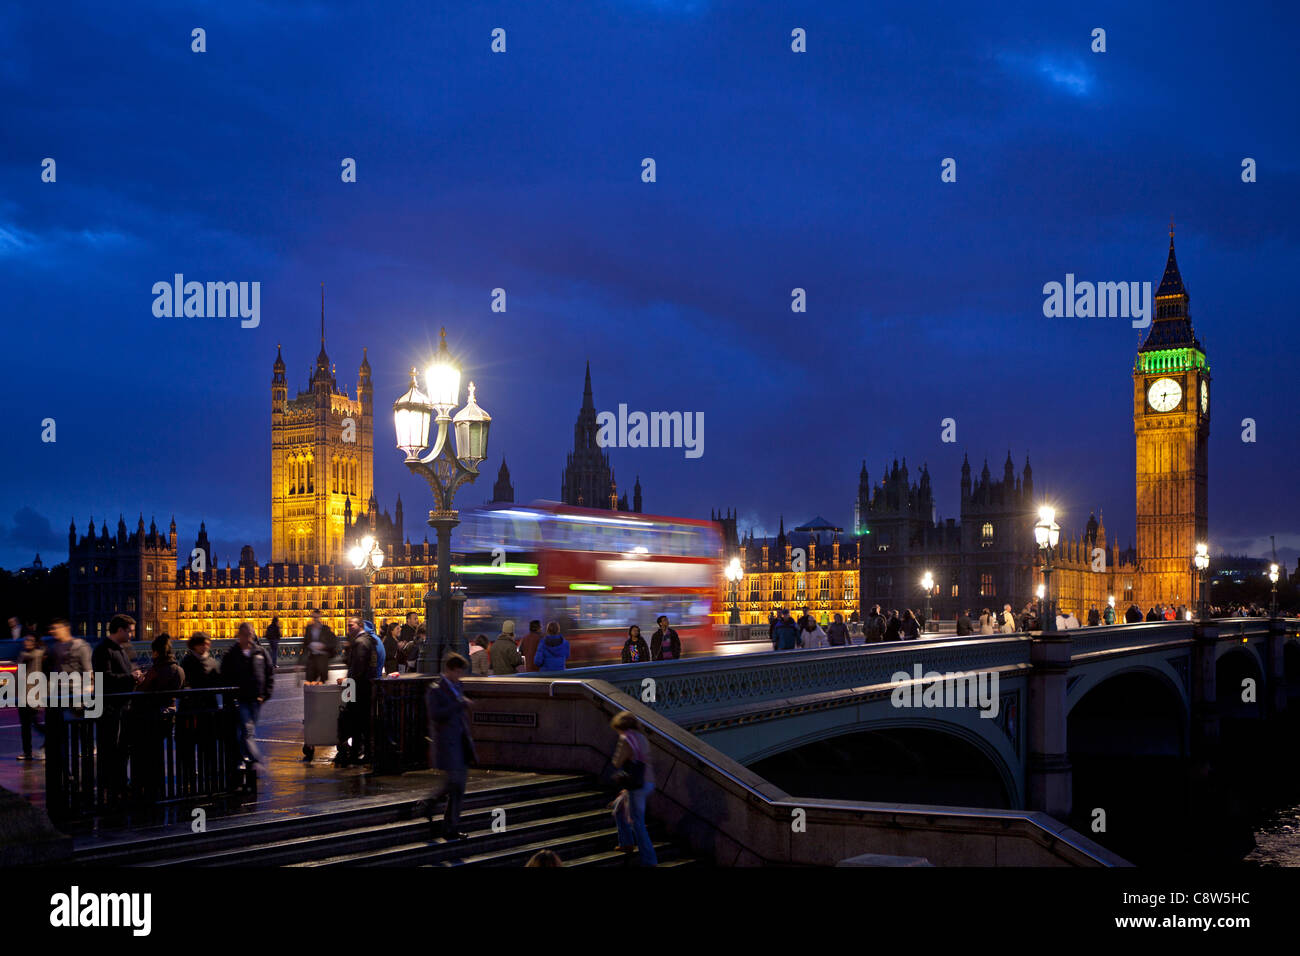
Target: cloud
{"type": "Point", "coordinates": [29, 531]}
{"type": "Point", "coordinates": [1068, 74]}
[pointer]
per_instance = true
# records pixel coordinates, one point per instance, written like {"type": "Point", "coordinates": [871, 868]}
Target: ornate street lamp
{"type": "Point", "coordinates": [927, 582]}
{"type": "Point", "coordinates": [367, 557]}
{"type": "Point", "coordinates": [445, 469]}
{"type": "Point", "coordinates": [1272, 576]}
{"type": "Point", "coordinates": [1202, 561]}
{"type": "Point", "coordinates": [1047, 533]}
{"type": "Point", "coordinates": [734, 574]}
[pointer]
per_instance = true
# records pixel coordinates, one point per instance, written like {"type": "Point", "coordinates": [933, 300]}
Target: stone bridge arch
{"type": "Point", "coordinates": [1234, 664]}
{"type": "Point", "coordinates": [984, 739]}
{"type": "Point", "coordinates": [1128, 728]}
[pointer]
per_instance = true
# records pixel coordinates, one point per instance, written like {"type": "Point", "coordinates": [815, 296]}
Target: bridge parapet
{"type": "Point", "coordinates": [692, 688]}
{"type": "Point", "coordinates": [731, 815]}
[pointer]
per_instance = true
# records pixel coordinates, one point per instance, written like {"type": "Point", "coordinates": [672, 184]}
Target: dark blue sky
{"type": "Point", "coordinates": [775, 170]}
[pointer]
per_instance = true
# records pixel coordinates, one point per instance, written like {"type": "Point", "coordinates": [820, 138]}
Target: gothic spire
{"type": "Point", "coordinates": [1171, 326]}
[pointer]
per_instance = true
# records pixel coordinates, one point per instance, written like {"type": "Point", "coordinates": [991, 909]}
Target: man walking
{"type": "Point", "coordinates": [665, 645]}
{"type": "Point", "coordinates": [272, 640]}
{"type": "Point", "coordinates": [68, 654]}
{"type": "Point", "coordinates": [451, 746]}
{"type": "Point", "coordinates": [248, 667]}
{"type": "Point", "coordinates": [354, 715]}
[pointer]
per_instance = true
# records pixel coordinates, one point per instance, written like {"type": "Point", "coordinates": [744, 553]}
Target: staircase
{"type": "Point", "coordinates": [566, 814]}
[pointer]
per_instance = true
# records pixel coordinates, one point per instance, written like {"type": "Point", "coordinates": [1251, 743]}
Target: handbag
{"type": "Point", "coordinates": [631, 776]}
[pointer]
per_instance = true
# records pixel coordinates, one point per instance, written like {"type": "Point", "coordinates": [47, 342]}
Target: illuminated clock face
{"type": "Point", "coordinates": [1205, 397]}
{"type": "Point", "coordinates": [1164, 394]}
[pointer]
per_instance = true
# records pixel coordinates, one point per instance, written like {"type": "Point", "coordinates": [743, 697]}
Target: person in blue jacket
{"type": "Point", "coordinates": [787, 634]}
{"type": "Point", "coordinates": [380, 654]}
{"type": "Point", "coordinates": [553, 650]}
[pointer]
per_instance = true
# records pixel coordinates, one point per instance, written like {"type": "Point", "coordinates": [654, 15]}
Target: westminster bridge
{"type": "Point", "coordinates": [1152, 692]}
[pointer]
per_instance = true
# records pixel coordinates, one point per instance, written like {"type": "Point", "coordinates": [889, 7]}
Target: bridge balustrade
{"type": "Point", "coordinates": [144, 749]}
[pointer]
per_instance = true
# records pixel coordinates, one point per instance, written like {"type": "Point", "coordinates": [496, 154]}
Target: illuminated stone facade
{"type": "Point", "coordinates": [322, 461]}
{"type": "Point", "coordinates": [1171, 425]}
{"type": "Point", "coordinates": [813, 569]}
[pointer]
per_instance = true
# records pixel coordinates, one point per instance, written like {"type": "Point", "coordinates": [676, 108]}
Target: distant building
{"type": "Point", "coordinates": [322, 502]}
{"type": "Point", "coordinates": [987, 558]}
{"type": "Point", "coordinates": [121, 574]}
{"type": "Point", "coordinates": [812, 569]}
{"type": "Point", "coordinates": [588, 479]}
{"type": "Point", "coordinates": [503, 490]}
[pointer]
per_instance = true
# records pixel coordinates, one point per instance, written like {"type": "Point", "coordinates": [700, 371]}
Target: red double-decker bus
{"type": "Point", "coordinates": [594, 572]}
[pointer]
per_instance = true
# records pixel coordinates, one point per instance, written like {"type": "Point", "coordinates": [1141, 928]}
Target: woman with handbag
{"type": "Point", "coordinates": [633, 776]}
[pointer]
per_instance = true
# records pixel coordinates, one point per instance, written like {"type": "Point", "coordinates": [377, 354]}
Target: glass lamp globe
{"type": "Point", "coordinates": [471, 424]}
{"type": "Point", "coordinates": [442, 379]}
{"type": "Point", "coordinates": [411, 414]}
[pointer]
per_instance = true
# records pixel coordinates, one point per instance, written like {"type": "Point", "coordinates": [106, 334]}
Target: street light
{"type": "Point", "coordinates": [1047, 533]}
{"type": "Point", "coordinates": [445, 470]}
{"type": "Point", "coordinates": [1202, 561]}
{"type": "Point", "coordinates": [367, 557]}
{"type": "Point", "coordinates": [927, 582]}
{"type": "Point", "coordinates": [734, 573]}
{"type": "Point", "coordinates": [1272, 576]}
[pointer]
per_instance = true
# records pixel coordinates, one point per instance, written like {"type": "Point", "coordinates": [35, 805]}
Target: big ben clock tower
{"type": "Point", "coordinates": [1171, 423]}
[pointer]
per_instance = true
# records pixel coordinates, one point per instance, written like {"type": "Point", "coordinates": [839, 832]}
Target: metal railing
{"type": "Point", "coordinates": [144, 749]}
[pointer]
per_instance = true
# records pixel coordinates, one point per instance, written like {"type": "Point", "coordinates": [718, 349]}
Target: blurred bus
{"type": "Point", "coordinates": [594, 572]}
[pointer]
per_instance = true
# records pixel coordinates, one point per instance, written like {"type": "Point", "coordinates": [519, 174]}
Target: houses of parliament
{"type": "Point", "coordinates": [988, 557]}
{"type": "Point", "coordinates": [322, 502]}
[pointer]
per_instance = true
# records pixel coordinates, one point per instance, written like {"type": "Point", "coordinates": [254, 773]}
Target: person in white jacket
{"type": "Point", "coordinates": [814, 636]}
{"type": "Point", "coordinates": [1008, 620]}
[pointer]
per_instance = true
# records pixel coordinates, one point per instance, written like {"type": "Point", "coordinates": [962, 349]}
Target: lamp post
{"type": "Point", "coordinates": [927, 582]}
{"type": "Point", "coordinates": [1202, 561]}
{"type": "Point", "coordinates": [445, 470]}
{"type": "Point", "coordinates": [734, 574]}
{"type": "Point", "coordinates": [367, 557]}
{"type": "Point", "coordinates": [1047, 533]}
{"type": "Point", "coordinates": [1272, 576]}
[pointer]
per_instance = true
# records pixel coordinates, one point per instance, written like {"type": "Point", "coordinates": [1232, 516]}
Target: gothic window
{"type": "Point", "coordinates": [148, 572]}
{"type": "Point", "coordinates": [986, 585]}
{"type": "Point", "coordinates": [130, 605]}
{"type": "Point", "coordinates": [986, 535]}
{"type": "Point", "coordinates": [148, 604]}
{"type": "Point", "coordinates": [884, 583]}
{"type": "Point", "coordinates": [334, 476]}
{"type": "Point", "coordinates": [777, 591]}
{"type": "Point", "coordinates": [824, 588]}
{"type": "Point", "coordinates": [753, 588]}
{"type": "Point", "coordinates": [311, 476]}
{"type": "Point", "coordinates": [849, 596]}
{"type": "Point", "coordinates": [801, 589]}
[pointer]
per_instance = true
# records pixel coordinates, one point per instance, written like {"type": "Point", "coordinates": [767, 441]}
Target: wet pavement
{"type": "Point", "coordinates": [287, 786]}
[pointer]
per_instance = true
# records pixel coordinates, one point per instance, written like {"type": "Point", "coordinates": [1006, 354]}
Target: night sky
{"type": "Point", "coordinates": [522, 170]}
